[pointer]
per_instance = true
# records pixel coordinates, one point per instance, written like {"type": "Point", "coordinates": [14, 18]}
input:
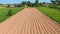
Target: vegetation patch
{"type": "Point", "coordinates": [7, 12]}
{"type": "Point", "coordinates": [54, 14]}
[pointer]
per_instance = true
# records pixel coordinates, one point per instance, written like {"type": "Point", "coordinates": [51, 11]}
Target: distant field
{"type": "Point", "coordinates": [54, 14]}
{"type": "Point", "coordinates": [4, 12]}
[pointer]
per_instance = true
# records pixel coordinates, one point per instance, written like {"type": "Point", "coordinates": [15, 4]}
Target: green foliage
{"type": "Point", "coordinates": [51, 6]}
{"type": "Point", "coordinates": [10, 12]}
{"type": "Point", "coordinates": [4, 12]}
{"type": "Point", "coordinates": [28, 3]}
{"type": "Point", "coordinates": [8, 5]}
{"type": "Point", "coordinates": [18, 5]}
{"type": "Point", "coordinates": [53, 13]}
{"type": "Point", "coordinates": [54, 6]}
{"type": "Point", "coordinates": [55, 1]}
{"type": "Point", "coordinates": [23, 3]}
{"type": "Point", "coordinates": [36, 3]}
{"type": "Point", "coordinates": [40, 4]}
{"type": "Point", "coordinates": [32, 4]}
{"type": "Point", "coordinates": [44, 4]}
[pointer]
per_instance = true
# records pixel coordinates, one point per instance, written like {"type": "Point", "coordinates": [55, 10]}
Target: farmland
{"type": "Point", "coordinates": [4, 12]}
{"type": "Point", "coordinates": [36, 17]}
{"type": "Point", "coordinates": [52, 13]}
{"type": "Point", "coordinates": [29, 21]}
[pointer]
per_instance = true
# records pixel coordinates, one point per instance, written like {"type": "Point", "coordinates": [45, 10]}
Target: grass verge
{"type": "Point", "coordinates": [52, 13]}
{"type": "Point", "coordinates": [4, 12]}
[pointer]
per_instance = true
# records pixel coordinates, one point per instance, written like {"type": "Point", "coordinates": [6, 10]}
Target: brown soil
{"type": "Point", "coordinates": [29, 21]}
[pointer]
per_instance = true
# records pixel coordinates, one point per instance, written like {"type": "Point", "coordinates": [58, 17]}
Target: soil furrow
{"type": "Point", "coordinates": [29, 21]}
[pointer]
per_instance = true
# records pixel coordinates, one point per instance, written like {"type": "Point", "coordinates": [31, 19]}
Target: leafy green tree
{"type": "Point", "coordinates": [32, 4]}
{"type": "Point", "coordinates": [55, 1]}
{"type": "Point", "coordinates": [28, 3]}
{"type": "Point", "coordinates": [8, 5]}
{"type": "Point", "coordinates": [36, 3]}
{"type": "Point", "coordinates": [44, 4]}
{"type": "Point", "coordinates": [23, 3]}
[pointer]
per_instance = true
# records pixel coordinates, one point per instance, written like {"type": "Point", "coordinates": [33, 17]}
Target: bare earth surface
{"type": "Point", "coordinates": [29, 21]}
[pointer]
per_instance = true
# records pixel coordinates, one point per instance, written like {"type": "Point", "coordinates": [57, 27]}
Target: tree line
{"type": "Point", "coordinates": [53, 4]}
{"type": "Point", "coordinates": [28, 3]}
{"type": "Point", "coordinates": [24, 3]}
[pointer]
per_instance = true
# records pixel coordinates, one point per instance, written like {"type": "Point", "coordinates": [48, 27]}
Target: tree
{"type": "Point", "coordinates": [32, 4]}
{"type": "Point", "coordinates": [8, 5]}
{"type": "Point", "coordinates": [28, 3]}
{"type": "Point", "coordinates": [36, 3]}
{"type": "Point", "coordinates": [55, 1]}
{"type": "Point", "coordinates": [23, 3]}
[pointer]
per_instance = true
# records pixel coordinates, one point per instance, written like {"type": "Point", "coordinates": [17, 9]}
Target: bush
{"type": "Point", "coordinates": [32, 5]}
{"type": "Point", "coordinates": [53, 6]}
{"type": "Point", "coordinates": [10, 13]}
{"type": "Point", "coordinates": [8, 5]}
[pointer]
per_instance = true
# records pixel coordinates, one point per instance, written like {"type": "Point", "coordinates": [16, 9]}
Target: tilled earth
{"type": "Point", "coordinates": [29, 21]}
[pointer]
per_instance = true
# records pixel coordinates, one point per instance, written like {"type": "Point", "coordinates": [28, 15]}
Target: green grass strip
{"type": "Point", "coordinates": [52, 13]}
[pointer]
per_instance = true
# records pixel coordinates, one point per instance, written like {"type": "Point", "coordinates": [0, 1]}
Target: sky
{"type": "Point", "coordinates": [19, 1]}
